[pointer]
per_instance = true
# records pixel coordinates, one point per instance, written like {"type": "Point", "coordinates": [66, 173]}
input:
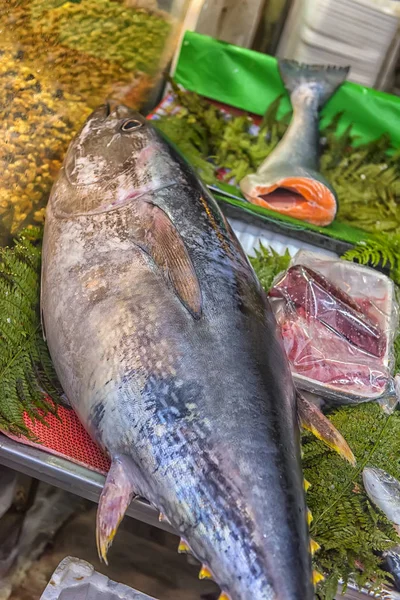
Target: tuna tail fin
{"type": "Point", "coordinates": [328, 78]}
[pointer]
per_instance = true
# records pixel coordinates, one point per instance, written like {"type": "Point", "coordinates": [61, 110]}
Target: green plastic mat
{"type": "Point", "coordinates": [250, 81]}
{"type": "Point", "coordinates": [337, 231]}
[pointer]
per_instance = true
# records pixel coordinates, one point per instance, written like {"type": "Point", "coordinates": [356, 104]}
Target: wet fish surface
{"type": "Point", "coordinates": [166, 347]}
{"type": "Point", "coordinates": [289, 181]}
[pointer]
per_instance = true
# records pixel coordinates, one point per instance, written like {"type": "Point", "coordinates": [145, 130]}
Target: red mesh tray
{"type": "Point", "coordinates": [65, 437]}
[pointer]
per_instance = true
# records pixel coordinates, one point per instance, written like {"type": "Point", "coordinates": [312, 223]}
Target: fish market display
{"type": "Point", "coordinates": [59, 60]}
{"type": "Point", "coordinates": [288, 181]}
{"type": "Point", "coordinates": [164, 343]}
{"type": "Point", "coordinates": [348, 534]}
{"type": "Point", "coordinates": [337, 320]}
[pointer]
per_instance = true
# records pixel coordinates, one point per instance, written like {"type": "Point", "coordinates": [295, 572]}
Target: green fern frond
{"type": "Point", "coordinates": [381, 249]}
{"type": "Point", "coordinates": [349, 529]}
{"type": "Point", "coordinates": [268, 263]}
{"type": "Point", "coordinates": [191, 141]}
{"type": "Point", "coordinates": [27, 377]}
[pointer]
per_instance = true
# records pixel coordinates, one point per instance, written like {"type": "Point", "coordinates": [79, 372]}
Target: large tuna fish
{"type": "Point", "coordinates": [165, 345]}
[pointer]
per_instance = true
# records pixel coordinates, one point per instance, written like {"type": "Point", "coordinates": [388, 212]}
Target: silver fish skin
{"type": "Point", "coordinates": [166, 347]}
{"type": "Point", "coordinates": [384, 491]}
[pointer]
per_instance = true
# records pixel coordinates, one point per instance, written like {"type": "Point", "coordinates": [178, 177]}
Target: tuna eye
{"type": "Point", "coordinates": [131, 125]}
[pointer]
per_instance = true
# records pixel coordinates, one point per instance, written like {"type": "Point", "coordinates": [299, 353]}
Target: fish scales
{"type": "Point", "coordinates": [167, 349]}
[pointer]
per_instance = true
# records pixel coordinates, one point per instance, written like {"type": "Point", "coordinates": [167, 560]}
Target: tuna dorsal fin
{"type": "Point", "coordinates": [157, 236]}
{"type": "Point", "coordinates": [313, 419]}
{"type": "Point", "coordinates": [115, 498]}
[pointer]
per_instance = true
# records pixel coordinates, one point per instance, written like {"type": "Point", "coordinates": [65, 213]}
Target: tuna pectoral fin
{"type": "Point", "coordinates": [158, 237]}
{"type": "Point", "coordinates": [312, 419]}
{"type": "Point", "coordinates": [115, 498]}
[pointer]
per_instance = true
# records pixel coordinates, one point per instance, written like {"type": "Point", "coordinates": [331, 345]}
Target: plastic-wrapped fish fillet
{"type": "Point", "coordinates": [338, 321]}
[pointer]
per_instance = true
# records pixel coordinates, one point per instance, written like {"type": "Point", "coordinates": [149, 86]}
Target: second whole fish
{"type": "Point", "coordinates": [384, 491]}
{"type": "Point", "coordinates": [289, 181]}
{"type": "Point", "coordinates": [166, 347]}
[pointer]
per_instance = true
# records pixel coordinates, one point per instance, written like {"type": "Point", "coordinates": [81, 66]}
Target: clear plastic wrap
{"type": "Point", "coordinates": [338, 321]}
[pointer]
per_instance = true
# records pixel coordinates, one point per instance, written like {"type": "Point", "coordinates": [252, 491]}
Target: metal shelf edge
{"type": "Point", "coordinates": [69, 476]}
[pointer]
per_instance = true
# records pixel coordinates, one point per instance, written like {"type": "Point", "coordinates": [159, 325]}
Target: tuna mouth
{"type": "Point", "coordinates": [302, 198]}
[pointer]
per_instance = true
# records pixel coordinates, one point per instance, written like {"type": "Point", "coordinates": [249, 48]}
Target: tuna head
{"type": "Point", "coordinates": [116, 158]}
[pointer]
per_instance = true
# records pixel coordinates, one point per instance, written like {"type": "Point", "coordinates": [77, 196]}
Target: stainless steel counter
{"type": "Point", "coordinates": [65, 474]}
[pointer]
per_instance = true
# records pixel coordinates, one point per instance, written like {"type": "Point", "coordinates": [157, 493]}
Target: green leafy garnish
{"type": "Point", "coordinates": [349, 529]}
{"type": "Point", "coordinates": [268, 263]}
{"type": "Point", "coordinates": [381, 249]}
{"type": "Point", "coordinates": [27, 377]}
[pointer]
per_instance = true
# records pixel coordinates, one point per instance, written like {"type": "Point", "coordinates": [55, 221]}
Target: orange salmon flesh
{"type": "Point", "coordinates": [299, 197]}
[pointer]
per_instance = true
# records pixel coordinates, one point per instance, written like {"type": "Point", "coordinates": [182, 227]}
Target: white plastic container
{"type": "Point", "coordinates": [359, 33]}
{"type": "Point", "coordinates": [76, 579]}
{"type": "Point", "coordinates": [346, 367]}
